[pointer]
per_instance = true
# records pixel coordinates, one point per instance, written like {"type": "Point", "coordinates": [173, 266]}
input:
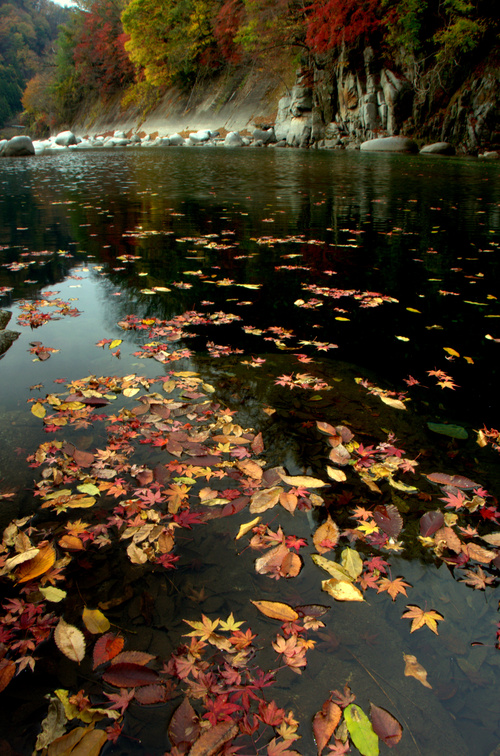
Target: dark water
{"type": "Point", "coordinates": [258, 233]}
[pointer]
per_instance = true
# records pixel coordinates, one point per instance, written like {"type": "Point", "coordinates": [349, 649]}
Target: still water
{"type": "Point", "coordinates": [336, 266]}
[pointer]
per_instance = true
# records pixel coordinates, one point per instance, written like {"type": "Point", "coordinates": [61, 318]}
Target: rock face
{"type": "Point", "coordinates": [389, 144]}
{"type": "Point", "coordinates": [17, 146]}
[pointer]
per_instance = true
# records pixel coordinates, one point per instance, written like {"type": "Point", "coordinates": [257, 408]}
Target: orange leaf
{"type": "Point", "coordinates": [421, 618]}
{"type": "Point", "coordinates": [325, 723]}
{"type": "Point", "coordinates": [326, 536]}
{"type": "Point", "coordinates": [276, 610]}
{"type": "Point", "coordinates": [71, 543]}
{"type": "Point", "coordinates": [37, 566]}
{"type": "Point", "coordinates": [265, 499]}
{"type": "Point", "coordinates": [393, 587]}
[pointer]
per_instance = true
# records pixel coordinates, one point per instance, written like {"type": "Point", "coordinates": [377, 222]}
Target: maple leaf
{"type": "Point", "coordinates": [343, 699]}
{"type": "Point", "coordinates": [220, 709]}
{"type": "Point", "coordinates": [454, 500]}
{"type": "Point", "coordinates": [339, 747]}
{"type": "Point", "coordinates": [477, 579]}
{"type": "Point", "coordinates": [121, 700]}
{"type": "Point", "coordinates": [421, 618]}
{"type": "Point", "coordinates": [271, 714]}
{"type": "Point", "coordinates": [230, 624]}
{"type": "Point", "coordinates": [393, 587]}
{"type": "Point", "coordinates": [280, 749]}
{"type": "Point", "coordinates": [204, 629]}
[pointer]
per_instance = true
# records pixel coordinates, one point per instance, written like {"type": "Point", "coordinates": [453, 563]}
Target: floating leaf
{"type": "Point", "coordinates": [385, 725]}
{"type": "Point", "coordinates": [151, 694]}
{"type": "Point", "coordinates": [396, 403]}
{"type": "Point", "coordinates": [264, 499]}
{"type": "Point", "coordinates": [451, 351]}
{"type": "Point", "coordinates": [115, 343]}
{"type": "Point", "coordinates": [326, 536]}
{"type": "Point", "coordinates": [351, 562]}
{"type": "Point", "coordinates": [95, 621]}
{"type": "Point", "coordinates": [493, 538]}
{"type": "Point", "coordinates": [211, 741]}
{"type": "Point", "coordinates": [127, 675]}
{"type": "Point", "coordinates": [184, 725]}
{"type": "Point", "coordinates": [7, 672]}
{"type": "Point", "coordinates": [69, 640]}
{"type": "Point", "coordinates": [361, 731]}
{"type": "Point", "coordinates": [53, 594]}
{"type": "Point", "coordinates": [302, 480]}
{"type": "Point", "coordinates": [338, 475]}
{"type": "Point", "coordinates": [39, 565]}
{"type": "Point", "coordinates": [106, 648]}
{"type": "Point", "coordinates": [246, 527]}
{"type": "Point", "coordinates": [333, 568]}
{"type": "Point", "coordinates": [420, 618]}
{"type": "Point", "coordinates": [38, 410]}
{"type": "Point", "coordinates": [414, 669]}
{"type": "Point", "coordinates": [88, 488]}
{"type": "Point", "coordinates": [388, 519]}
{"type": "Point", "coordinates": [325, 723]}
{"type": "Point", "coordinates": [453, 431]}
{"type": "Point", "coordinates": [342, 590]}
{"type": "Point", "coordinates": [276, 610]}
{"type": "Point", "coordinates": [430, 522]}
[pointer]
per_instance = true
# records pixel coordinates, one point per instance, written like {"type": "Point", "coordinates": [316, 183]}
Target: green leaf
{"type": "Point", "coordinates": [454, 431]}
{"type": "Point", "coordinates": [334, 569]}
{"type": "Point", "coordinates": [89, 488]}
{"type": "Point", "coordinates": [361, 731]}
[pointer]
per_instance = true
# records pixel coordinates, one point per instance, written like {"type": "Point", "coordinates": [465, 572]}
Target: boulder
{"type": "Point", "coordinates": [492, 155]}
{"type": "Point", "coordinates": [6, 339]}
{"type": "Point", "coordinates": [120, 135]}
{"type": "Point", "coordinates": [5, 316]}
{"type": "Point", "coordinates": [438, 148]}
{"type": "Point", "coordinates": [389, 144]}
{"type": "Point", "coordinates": [233, 139]}
{"type": "Point", "coordinates": [176, 140]}
{"type": "Point", "coordinates": [17, 146]}
{"type": "Point", "coordinates": [264, 135]}
{"type": "Point", "coordinates": [299, 134]}
{"type": "Point", "coordinates": [199, 136]}
{"type": "Point", "coordinates": [65, 138]}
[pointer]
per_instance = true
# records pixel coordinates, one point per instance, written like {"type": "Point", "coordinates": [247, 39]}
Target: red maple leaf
{"type": "Point", "coordinates": [121, 700]}
{"type": "Point", "coordinates": [219, 709]}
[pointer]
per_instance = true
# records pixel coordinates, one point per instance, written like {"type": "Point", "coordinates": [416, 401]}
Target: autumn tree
{"type": "Point", "coordinates": [330, 23]}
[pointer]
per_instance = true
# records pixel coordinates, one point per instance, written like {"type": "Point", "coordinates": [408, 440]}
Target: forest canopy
{"type": "Point", "coordinates": [58, 57]}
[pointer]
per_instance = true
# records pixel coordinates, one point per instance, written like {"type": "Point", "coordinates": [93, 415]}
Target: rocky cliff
{"type": "Point", "coordinates": [337, 105]}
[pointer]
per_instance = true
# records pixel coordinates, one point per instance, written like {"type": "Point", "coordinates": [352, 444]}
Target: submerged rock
{"type": "Point", "coordinates": [6, 337]}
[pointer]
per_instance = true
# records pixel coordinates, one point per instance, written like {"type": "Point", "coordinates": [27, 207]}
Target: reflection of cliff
{"type": "Point", "coordinates": [7, 338]}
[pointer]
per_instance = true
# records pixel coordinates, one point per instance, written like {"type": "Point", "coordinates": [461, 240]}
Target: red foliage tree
{"type": "Point", "coordinates": [226, 26]}
{"type": "Point", "coordinates": [331, 22]}
{"type": "Point", "coordinates": [101, 60]}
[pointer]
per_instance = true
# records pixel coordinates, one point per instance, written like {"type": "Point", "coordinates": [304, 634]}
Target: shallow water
{"type": "Point", "coordinates": [259, 234]}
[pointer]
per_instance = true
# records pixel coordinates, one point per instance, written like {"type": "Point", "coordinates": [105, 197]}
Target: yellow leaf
{"type": "Point", "coordinates": [89, 488]}
{"type": "Point", "coordinates": [115, 343]}
{"type": "Point", "coordinates": [38, 410]}
{"type": "Point", "coordinates": [403, 338]}
{"type": "Point", "coordinates": [342, 590]}
{"type": "Point", "coordinates": [335, 474]}
{"type": "Point", "coordinates": [276, 610]}
{"type": "Point", "coordinates": [302, 480]}
{"type": "Point", "coordinates": [80, 501]}
{"type": "Point", "coordinates": [130, 392]}
{"type": "Point", "coordinates": [69, 640]}
{"type": "Point", "coordinates": [246, 528]}
{"type": "Point", "coordinates": [53, 594]}
{"type": "Point", "coordinates": [469, 360]}
{"type": "Point", "coordinates": [95, 621]}
{"type": "Point", "coordinates": [396, 403]}
{"type": "Point", "coordinates": [326, 536]}
{"type": "Point", "coordinates": [401, 486]}
{"type": "Point", "coordinates": [340, 318]}
{"type": "Point", "coordinates": [412, 309]}
{"type": "Point", "coordinates": [451, 351]}
{"type": "Point", "coordinates": [337, 571]}
{"type": "Point", "coordinates": [352, 562]}
{"type": "Point", "coordinates": [265, 499]}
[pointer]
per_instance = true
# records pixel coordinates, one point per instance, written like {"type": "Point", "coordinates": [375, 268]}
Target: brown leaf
{"type": "Point", "coordinates": [7, 672]}
{"type": "Point", "coordinates": [184, 726]}
{"type": "Point", "coordinates": [478, 553]}
{"type": "Point", "coordinates": [385, 725]}
{"type": "Point", "coordinates": [265, 499]}
{"type": "Point", "coordinates": [127, 675]}
{"type": "Point", "coordinates": [258, 444]}
{"type": "Point", "coordinates": [133, 657]}
{"type": "Point", "coordinates": [69, 640]}
{"type": "Point", "coordinates": [291, 565]}
{"type": "Point", "coordinates": [414, 669]}
{"type": "Point", "coordinates": [450, 538]}
{"type": "Point", "coordinates": [326, 536]}
{"type": "Point", "coordinates": [64, 745]}
{"type": "Point", "coordinates": [276, 610]}
{"type": "Point", "coordinates": [388, 519]}
{"type": "Point", "coordinates": [83, 458]}
{"type": "Point", "coordinates": [493, 538]}
{"type": "Point", "coordinates": [151, 694]}
{"type": "Point", "coordinates": [325, 723]}
{"type": "Point", "coordinates": [339, 455]}
{"type": "Point", "coordinates": [91, 744]}
{"type": "Point", "coordinates": [272, 561]}
{"type": "Point", "coordinates": [211, 741]}
{"type": "Point", "coordinates": [39, 565]}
